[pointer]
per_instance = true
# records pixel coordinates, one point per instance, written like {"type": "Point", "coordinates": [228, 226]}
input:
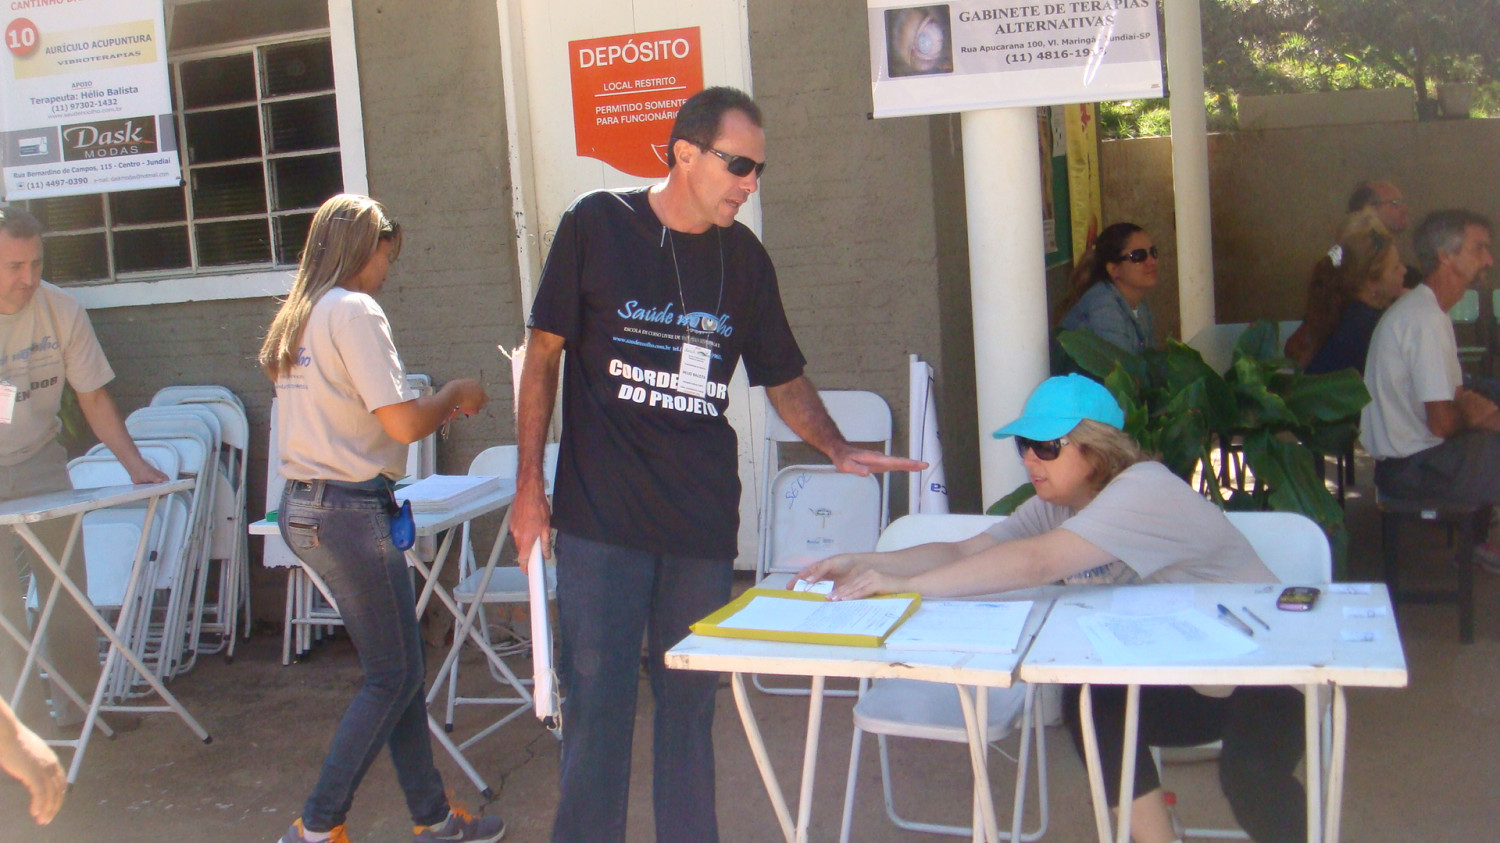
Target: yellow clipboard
{"type": "Point", "coordinates": [710, 625]}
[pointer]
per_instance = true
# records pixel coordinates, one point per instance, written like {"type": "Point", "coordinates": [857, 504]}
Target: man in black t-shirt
{"type": "Point", "coordinates": [656, 293]}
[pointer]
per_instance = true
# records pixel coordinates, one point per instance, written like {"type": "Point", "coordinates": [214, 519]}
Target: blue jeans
{"type": "Point", "coordinates": [342, 531]}
{"type": "Point", "coordinates": [607, 597]}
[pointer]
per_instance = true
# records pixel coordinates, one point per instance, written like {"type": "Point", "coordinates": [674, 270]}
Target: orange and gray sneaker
{"type": "Point", "coordinates": [461, 826]}
{"type": "Point", "coordinates": [298, 834]}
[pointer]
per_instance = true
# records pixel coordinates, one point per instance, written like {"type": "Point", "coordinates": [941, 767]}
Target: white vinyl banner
{"type": "Point", "coordinates": [84, 102]}
{"type": "Point", "coordinates": [929, 487]}
{"type": "Point", "coordinates": [967, 55]}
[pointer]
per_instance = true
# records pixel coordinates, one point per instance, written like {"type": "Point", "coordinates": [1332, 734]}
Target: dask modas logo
{"type": "Point", "coordinates": [109, 139]}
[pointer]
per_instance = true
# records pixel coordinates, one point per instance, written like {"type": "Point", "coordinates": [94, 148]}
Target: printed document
{"type": "Point", "coordinates": [1188, 635]}
{"type": "Point", "coordinates": [962, 626]}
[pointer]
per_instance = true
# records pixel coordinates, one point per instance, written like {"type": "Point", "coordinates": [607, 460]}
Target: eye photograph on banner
{"type": "Point", "coordinates": [941, 58]}
{"type": "Point", "coordinates": [84, 101]}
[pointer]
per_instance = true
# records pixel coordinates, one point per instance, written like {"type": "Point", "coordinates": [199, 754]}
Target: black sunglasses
{"type": "Point", "coordinates": [1137, 255]}
{"type": "Point", "coordinates": [1046, 451]}
{"type": "Point", "coordinates": [738, 165]}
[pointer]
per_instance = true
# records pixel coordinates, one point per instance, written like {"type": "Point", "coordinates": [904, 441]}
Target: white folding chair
{"type": "Point", "coordinates": [110, 537]}
{"type": "Point", "coordinates": [1296, 550]}
{"type": "Point", "coordinates": [196, 431]}
{"type": "Point", "coordinates": [931, 710]}
{"type": "Point", "coordinates": [811, 512]}
{"type": "Point", "coordinates": [507, 585]}
{"type": "Point", "coordinates": [228, 539]}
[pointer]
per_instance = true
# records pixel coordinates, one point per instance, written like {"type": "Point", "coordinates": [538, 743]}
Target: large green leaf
{"type": "Point", "coordinates": [1099, 357]}
{"type": "Point", "coordinates": [1258, 405]}
{"type": "Point", "coordinates": [1259, 341]}
{"type": "Point", "coordinates": [1324, 398]}
{"type": "Point", "coordinates": [1287, 468]}
{"type": "Point", "coordinates": [1008, 504]}
{"type": "Point", "coordinates": [1183, 436]}
{"type": "Point", "coordinates": [1127, 392]}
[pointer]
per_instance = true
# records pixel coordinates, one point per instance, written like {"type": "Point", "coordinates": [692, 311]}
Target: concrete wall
{"type": "Point", "coordinates": [1278, 197]}
{"type": "Point", "coordinates": [429, 71]}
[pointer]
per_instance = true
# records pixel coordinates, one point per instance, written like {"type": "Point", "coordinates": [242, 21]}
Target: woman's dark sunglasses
{"type": "Point", "coordinates": [1045, 451]}
{"type": "Point", "coordinates": [1138, 255]}
{"type": "Point", "coordinates": [738, 165]}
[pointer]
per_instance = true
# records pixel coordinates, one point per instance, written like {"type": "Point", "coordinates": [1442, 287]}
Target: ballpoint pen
{"type": "Point", "coordinates": [1256, 618]}
{"type": "Point", "coordinates": [1225, 614]}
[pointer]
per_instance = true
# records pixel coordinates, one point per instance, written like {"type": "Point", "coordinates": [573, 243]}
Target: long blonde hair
{"type": "Point", "coordinates": [344, 234]}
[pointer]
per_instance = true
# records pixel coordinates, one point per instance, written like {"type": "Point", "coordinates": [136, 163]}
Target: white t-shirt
{"type": "Point", "coordinates": [1413, 359]}
{"type": "Point", "coordinates": [325, 410]}
{"type": "Point", "coordinates": [50, 341]}
{"type": "Point", "coordinates": [1158, 529]}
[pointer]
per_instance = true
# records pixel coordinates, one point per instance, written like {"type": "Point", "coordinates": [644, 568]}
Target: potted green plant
{"type": "Point", "coordinates": [1263, 411]}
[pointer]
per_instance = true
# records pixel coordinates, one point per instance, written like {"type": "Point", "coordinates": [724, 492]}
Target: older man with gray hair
{"type": "Point", "coordinates": [1430, 436]}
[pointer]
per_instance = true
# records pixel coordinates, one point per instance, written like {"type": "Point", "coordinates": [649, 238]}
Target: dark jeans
{"type": "Point", "coordinates": [343, 532]}
{"type": "Point", "coordinates": [607, 597]}
{"type": "Point", "coordinates": [1262, 730]}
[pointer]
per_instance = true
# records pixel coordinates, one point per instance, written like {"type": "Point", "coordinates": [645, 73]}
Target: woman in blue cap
{"type": "Point", "coordinates": [1105, 512]}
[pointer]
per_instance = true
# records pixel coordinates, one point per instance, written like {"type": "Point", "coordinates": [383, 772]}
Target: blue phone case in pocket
{"type": "Point", "coordinates": [403, 527]}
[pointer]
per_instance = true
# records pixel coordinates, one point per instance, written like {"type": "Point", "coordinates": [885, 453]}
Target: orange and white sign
{"type": "Point", "coordinates": [626, 93]}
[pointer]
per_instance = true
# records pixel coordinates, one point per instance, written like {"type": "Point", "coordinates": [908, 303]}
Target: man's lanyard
{"type": "Point", "coordinates": [696, 354]}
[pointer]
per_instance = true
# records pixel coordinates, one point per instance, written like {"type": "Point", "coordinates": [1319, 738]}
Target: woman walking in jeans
{"type": "Point", "coordinates": [345, 417]}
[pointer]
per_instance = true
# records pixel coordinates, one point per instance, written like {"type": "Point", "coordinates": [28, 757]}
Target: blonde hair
{"type": "Point", "coordinates": [1108, 449]}
{"type": "Point", "coordinates": [344, 235]}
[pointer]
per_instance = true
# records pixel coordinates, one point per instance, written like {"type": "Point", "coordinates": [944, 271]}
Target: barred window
{"type": "Point", "coordinates": [258, 134]}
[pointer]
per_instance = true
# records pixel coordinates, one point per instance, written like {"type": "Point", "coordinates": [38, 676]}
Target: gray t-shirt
{"type": "Point", "coordinates": [1158, 529]}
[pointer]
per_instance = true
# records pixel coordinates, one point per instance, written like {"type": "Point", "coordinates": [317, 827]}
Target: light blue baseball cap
{"type": "Point", "coordinates": [1059, 404]}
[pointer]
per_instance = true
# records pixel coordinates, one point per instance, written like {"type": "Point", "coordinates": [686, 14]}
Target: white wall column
{"type": "Point", "coordinates": [1007, 271]}
{"type": "Point", "coordinates": [1195, 252]}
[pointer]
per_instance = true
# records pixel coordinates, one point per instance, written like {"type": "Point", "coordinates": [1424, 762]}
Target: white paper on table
{"type": "Point", "coordinates": [1364, 611]}
{"type": "Point", "coordinates": [1359, 636]}
{"type": "Point", "coordinates": [1156, 600]}
{"type": "Point", "coordinates": [962, 626]}
{"type": "Point", "coordinates": [544, 680]}
{"type": "Point", "coordinates": [1350, 588]}
{"type": "Point", "coordinates": [1188, 635]}
{"type": "Point", "coordinates": [834, 617]}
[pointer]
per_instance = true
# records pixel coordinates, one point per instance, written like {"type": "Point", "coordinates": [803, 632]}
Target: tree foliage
{"type": "Point", "coordinates": [1293, 46]}
{"type": "Point", "coordinates": [1255, 47]}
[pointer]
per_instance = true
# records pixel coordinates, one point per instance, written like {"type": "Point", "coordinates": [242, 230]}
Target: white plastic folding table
{"type": "Point", "coordinates": [19, 515]}
{"type": "Point", "coordinates": [1348, 639]}
{"type": "Point", "coordinates": [431, 523]}
{"type": "Point", "coordinates": [966, 671]}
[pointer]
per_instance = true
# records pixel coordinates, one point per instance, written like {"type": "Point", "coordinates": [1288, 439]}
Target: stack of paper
{"type": "Point", "coordinates": [446, 491]}
{"type": "Point", "coordinates": [778, 615]}
{"type": "Point", "coordinates": [963, 626]}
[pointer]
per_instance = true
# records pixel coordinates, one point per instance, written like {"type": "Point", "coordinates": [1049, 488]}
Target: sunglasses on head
{"type": "Point", "coordinates": [738, 165]}
{"type": "Point", "coordinates": [1046, 450]}
{"type": "Point", "coordinates": [1138, 255]}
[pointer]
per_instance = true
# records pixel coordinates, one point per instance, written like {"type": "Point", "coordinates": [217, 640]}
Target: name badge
{"type": "Point", "coordinates": [692, 373]}
{"type": "Point", "coordinates": [7, 402]}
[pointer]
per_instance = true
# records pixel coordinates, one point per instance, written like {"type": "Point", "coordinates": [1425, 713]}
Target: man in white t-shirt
{"type": "Point", "coordinates": [1431, 437]}
{"type": "Point", "coordinates": [45, 341]}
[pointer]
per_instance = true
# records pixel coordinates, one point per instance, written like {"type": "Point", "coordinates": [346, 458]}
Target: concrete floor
{"type": "Point", "coordinates": [1421, 760]}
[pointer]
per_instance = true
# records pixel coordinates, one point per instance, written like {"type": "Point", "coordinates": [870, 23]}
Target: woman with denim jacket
{"type": "Point", "coordinates": [345, 417]}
